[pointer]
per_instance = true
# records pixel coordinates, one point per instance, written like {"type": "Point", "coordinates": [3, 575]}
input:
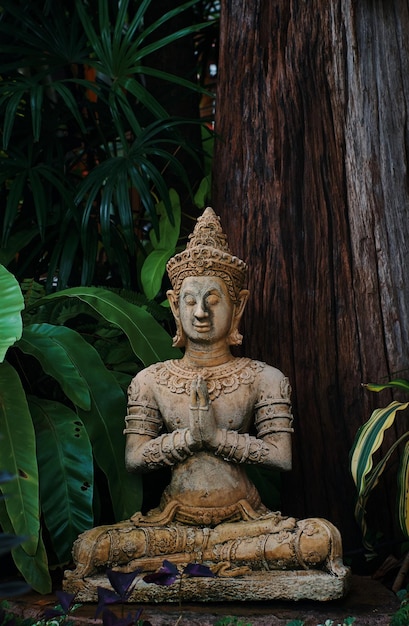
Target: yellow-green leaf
{"type": "Point", "coordinates": [368, 440]}
{"type": "Point", "coordinates": [403, 492]}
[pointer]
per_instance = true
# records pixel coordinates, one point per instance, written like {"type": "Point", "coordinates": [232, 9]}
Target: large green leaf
{"type": "Point", "coordinates": [103, 417]}
{"type": "Point", "coordinates": [149, 341]}
{"type": "Point", "coordinates": [368, 440]}
{"type": "Point", "coordinates": [60, 350]}
{"type": "Point", "coordinates": [104, 422]}
{"type": "Point", "coordinates": [65, 465]}
{"type": "Point", "coordinates": [12, 303]}
{"type": "Point", "coordinates": [18, 457]}
{"type": "Point", "coordinates": [169, 225]}
{"type": "Point", "coordinates": [153, 270]}
{"type": "Point", "coordinates": [154, 266]}
{"type": "Point", "coordinates": [34, 568]}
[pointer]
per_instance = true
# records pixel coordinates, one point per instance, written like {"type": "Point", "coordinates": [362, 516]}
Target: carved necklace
{"type": "Point", "coordinates": [224, 378]}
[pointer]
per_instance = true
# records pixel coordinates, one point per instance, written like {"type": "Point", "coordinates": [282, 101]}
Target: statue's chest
{"type": "Point", "coordinates": [232, 391]}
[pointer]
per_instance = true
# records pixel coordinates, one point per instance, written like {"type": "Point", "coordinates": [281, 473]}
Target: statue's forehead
{"type": "Point", "coordinates": [202, 284]}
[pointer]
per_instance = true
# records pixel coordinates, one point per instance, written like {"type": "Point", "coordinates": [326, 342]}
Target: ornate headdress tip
{"type": "Point", "coordinates": [207, 254]}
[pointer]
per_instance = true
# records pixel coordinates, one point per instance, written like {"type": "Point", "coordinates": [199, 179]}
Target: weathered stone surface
{"type": "Point", "coordinates": [291, 585]}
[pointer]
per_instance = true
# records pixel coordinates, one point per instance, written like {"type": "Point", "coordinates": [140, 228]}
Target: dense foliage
{"type": "Point", "coordinates": [63, 400]}
{"type": "Point", "coordinates": [84, 181]}
{"type": "Point", "coordinates": [86, 146]}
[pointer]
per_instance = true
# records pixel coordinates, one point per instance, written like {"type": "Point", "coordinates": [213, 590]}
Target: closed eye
{"type": "Point", "coordinates": [189, 300]}
{"type": "Point", "coordinates": [212, 299]}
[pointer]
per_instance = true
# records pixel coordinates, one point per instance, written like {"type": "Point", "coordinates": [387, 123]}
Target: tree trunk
{"type": "Point", "coordinates": [310, 179]}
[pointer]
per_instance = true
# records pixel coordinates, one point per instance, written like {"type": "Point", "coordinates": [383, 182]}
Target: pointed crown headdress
{"type": "Point", "coordinates": [207, 254]}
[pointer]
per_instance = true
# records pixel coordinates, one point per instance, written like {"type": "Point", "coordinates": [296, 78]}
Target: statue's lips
{"type": "Point", "coordinates": [201, 328]}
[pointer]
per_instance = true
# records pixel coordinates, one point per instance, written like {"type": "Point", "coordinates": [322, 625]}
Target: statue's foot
{"type": "Point", "coordinates": [90, 549]}
{"type": "Point", "coordinates": [106, 546]}
{"type": "Point", "coordinates": [226, 570]}
{"type": "Point", "coordinates": [319, 544]}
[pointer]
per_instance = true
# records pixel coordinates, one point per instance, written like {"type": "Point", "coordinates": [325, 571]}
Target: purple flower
{"type": "Point", "coordinates": [168, 573]}
{"type": "Point", "coordinates": [166, 576]}
{"type": "Point", "coordinates": [66, 604]}
{"type": "Point", "coordinates": [122, 581]}
{"type": "Point", "coordinates": [122, 589]}
{"type": "Point", "coordinates": [197, 569]}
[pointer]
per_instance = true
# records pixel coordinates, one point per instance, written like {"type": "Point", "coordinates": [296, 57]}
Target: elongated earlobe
{"type": "Point", "coordinates": [235, 338]}
{"type": "Point", "coordinates": [179, 340]}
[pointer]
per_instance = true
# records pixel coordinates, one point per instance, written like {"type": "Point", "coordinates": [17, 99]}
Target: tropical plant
{"type": "Point", "coordinates": [8, 541]}
{"type": "Point", "coordinates": [62, 402]}
{"type": "Point", "coordinates": [366, 475]}
{"type": "Point", "coordinates": [86, 147]}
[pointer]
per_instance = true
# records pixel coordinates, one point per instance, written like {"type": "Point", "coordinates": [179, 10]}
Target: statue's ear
{"type": "Point", "coordinates": [174, 303]}
{"type": "Point", "coordinates": [235, 338]}
{"type": "Point", "coordinates": [179, 340]}
{"type": "Point", "coordinates": [242, 301]}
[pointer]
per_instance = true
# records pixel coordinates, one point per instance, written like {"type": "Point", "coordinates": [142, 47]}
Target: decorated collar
{"type": "Point", "coordinates": [224, 378]}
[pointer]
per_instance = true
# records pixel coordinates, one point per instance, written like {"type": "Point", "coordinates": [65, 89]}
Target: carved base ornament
{"type": "Point", "coordinates": [206, 416]}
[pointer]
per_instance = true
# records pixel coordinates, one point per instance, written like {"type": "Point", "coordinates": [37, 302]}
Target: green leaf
{"type": "Point", "coordinates": [12, 303]}
{"type": "Point", "coordinates": [66, 473]}
{"type": "Point", "coordinates": [372, 479]}
{"type": "Point", "coordinates": [18, 457]}
{"type": "Point", "coordinates": [34, 568]}
{"type": "Point", "coordinates": [16, 243]}
{"type": "Point", "coordinates": [68, 255]}
{"type": "Point", "coordinates": [403, 491]}
{"type": "Point", "coordinates": [36, 101]}
{"type": "Point", "coordinates": [13, 203]}
{"type": "Point", "coordinates": [60, 351]}
{"type": "Point", "coordinates": [399, 383]}
{"type": "Point", "coordinates": [153, 270]}
{"type": "Point", "coordinates": [369, 438]}
{"type": "Point", "coordinates": [169, 230]}
{"type": "Point", "coordinates": [172, 78]}
{"type": "Point", "coordinates": [104, 419]}
{"type": "Point", "coordinates": [69, 101]}
{"type": "Point", "coordinates": [104, 422]}
{"type": "Point", "coordinates": [10, 115]}
{"type": "Point", "coordinates": [149, 341]}
{"type": "Point", "coordinates": [203, 192]}
{"type": "Point", "coordinates": [40, 203]}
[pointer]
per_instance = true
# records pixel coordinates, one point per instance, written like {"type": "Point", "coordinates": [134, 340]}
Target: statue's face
{"type": "Point", "coordinates": [205, 309]}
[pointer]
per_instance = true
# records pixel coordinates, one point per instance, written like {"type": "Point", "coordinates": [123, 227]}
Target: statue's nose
{"type": "Point", "coordinates": [200, 311]}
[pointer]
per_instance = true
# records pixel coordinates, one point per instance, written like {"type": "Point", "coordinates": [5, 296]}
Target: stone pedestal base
{"type": "Point", "coordinates": [278, 585]}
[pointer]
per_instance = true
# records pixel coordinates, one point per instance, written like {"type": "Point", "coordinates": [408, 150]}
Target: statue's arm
{"type": "Point", "coordinates": [273, 421]}
{"type": "Point", "coordinates": [145, 448]}
{"type": "Point", "coordinates": [272, 451]}
{"type": "Point", "coordinates": [144, 453]}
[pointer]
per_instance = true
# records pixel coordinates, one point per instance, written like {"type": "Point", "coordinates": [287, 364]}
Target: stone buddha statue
{"type": "Point", "coordinates": [206, 416]}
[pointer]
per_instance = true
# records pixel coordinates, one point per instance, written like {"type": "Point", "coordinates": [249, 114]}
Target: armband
{"type": "Point", "coordinates": [273, 416]}
{"type": "Point", "coordinates": [241, 448]}
{"type": "Point", "coordinates": [168, 449]}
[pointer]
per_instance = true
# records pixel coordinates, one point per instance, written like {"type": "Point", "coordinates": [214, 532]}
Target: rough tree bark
{"type": "Point", "coordinates": [310, 179]}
